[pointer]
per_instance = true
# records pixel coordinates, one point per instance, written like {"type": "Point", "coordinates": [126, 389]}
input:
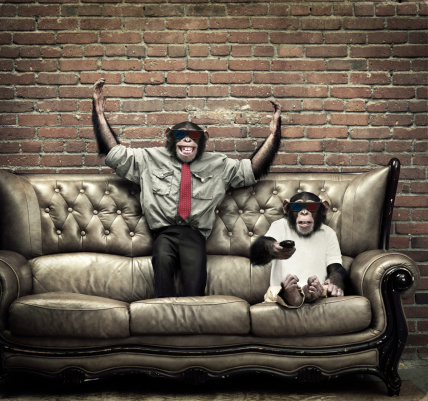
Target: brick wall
{"type": "Point", "coordinates": [351, 77]}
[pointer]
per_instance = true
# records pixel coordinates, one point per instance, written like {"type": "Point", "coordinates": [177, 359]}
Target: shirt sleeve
{"type": "Point", "coordinates": [238, 173]}
{"type": "Point", "coordinates": [128, 163]}
{"type": "Point", "coordinates": [333, 254]}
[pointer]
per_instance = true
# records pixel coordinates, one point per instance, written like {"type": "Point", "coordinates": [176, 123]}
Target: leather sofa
{"type": "Point", "coordinates": [77, 298]}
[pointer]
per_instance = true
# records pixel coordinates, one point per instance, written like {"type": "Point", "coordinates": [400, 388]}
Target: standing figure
{"type": "Point", "coordinates": [300, 245]}
{"type": "Point", "coordinates": [181, 185]}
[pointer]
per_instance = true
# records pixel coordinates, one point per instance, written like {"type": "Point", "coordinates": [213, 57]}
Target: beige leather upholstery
{"type": "Point", "coordinates": [77, 291]}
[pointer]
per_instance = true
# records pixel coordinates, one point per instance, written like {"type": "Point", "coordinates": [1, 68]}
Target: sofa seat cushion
{"type": "Point", "coordinates": [191, 315]}
{"type": "Point", "coordinates": [66, 314]}
{"type": "Point", "coordinates": [324, 317]}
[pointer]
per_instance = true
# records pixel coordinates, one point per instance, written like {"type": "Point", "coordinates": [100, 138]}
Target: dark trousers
{"type": "Point", "coordinates": [179, 251]}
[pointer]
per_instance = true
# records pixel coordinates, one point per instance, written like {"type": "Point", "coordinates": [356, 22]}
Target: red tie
{"type": "Point", "coordinates": [184, 201]}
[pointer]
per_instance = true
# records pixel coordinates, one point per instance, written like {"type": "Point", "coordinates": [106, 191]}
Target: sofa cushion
{"type": "Point", "coordinates": [65, 314]}
{"type": "Point", "coordinates": [325, 317]}
{"type": "Point", "coordinates": [191, 315]}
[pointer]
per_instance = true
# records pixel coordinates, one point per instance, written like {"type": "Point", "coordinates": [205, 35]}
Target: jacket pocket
{"type": "Point", "coordinates": [202, 186]}
{"type": "Point", "coordinates": [161, 181]}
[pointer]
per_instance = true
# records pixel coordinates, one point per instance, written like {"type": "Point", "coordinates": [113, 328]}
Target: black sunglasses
{"type": "Point", "coordinates": [179, 134]}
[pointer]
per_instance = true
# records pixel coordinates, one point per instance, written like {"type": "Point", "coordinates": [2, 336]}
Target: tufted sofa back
{"type": "Point", "coordinates": [50, 214]}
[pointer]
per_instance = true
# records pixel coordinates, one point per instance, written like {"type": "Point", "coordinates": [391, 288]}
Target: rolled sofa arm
{"type": "Point", "coordinates": [15, 281]}
{"type": "Point", "coordinates": [372, 271]}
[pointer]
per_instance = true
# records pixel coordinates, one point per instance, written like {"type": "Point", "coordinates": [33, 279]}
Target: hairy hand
{"type": "Point", "coordinates": [275, 124]}
{"type": "Point", "coordinates": [290, 292]}
{"type": "Point", "coordinates": [99, 100]}
{"type": "Point", "coordinates": [313, 289]}
{"type": "Point", "coordinates": [333, 290]}
{"type": "Point", "coordinates": [279, 252]}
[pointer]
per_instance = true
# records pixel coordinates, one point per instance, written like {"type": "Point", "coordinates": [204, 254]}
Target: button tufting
{"type": "Point", "coordinates": [262, 211]}
{"type": "Point", "coordinates": [70, 209]}
{"type": "Point", "coordinates": [82, 191]}
{"type": "Point", "coordinates": [299, 190]}
{"type": "Point", "coordinates": [230, 234]}
{"type": "Point", "coordinates": [82, 233]}
{"type": "Point", "coordinates": [56, 189]}
{"type": "Point", "coordinates": [58, 232]}
{"type": "Point", "coordinates": [119, 212]}
{"type": "Point", "coordinates": [253, 193]}
{"type": "Point", "coordinates": [107, 192]}
{"type": "Point", "coordinates": [250, 234]}
{"type": "Point", "coordinates": [47, 210]}
{"type": "Point", "coordinates": [217, 211]}
{"type": "Point", "coordinates": [95, 211]}
{"type": "Point", "coordinates": [322, 189]}
{"type": "Point", "coordinates": [275, 192]}
{"type": "Point", "coordinates": [131, 234]}
{"type": "Point", "coordinates": [132, 192]}
{"type": "Point", "coordinates": [240, 211]}
{"type": "Point", "coordinates": [334, 209]}
{"type": "Point", "coordinates": [106, 232]}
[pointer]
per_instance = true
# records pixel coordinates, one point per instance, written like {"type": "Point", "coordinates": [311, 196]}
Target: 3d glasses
{"type": "Point", "coordinates": [298, 206]}
{"type": "Point", "coordinates": [179, 134]}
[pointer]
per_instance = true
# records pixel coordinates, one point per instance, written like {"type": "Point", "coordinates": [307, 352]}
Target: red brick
{"type": "Point", "coordinates": [363, 23]}
{"type": "Point", "coordinates": [205, 37]}
{"type": "Point", "coordinates": [298, 65]}
{"type": "Point", "coordinates": [406, 23]}
{"type": "Point", "coordinates": [17, 24]}
{"type": "Point", "coordinates": [164, 37]}
{"type": "Point", "coordinates": [327, 132]}
{"type": "Point", "coordinates": [207, 64]}
{"type": "Point", "coordinates": [31, 146]}
{"type": "Point", "coordinates": [123, 11]}
{"type": "Point", "coordinates": [370, 133]}
{"type": "Point", "coordinates": [164, 10]}
{"type": "Point", "coordinates": [230, 77]}
{"type": "Point", "coordinates": [250, 91]}
{"type": "Point", "coordinates": [290, 51]}
{"type": "Point", "coordinates": [263, 51]}
{"type": "Point", "coordinates": [77, 37]}
{"type": "Point", "coordinates": [120, 65]}
{"type": "Point", "coordinates": [166, 91]}
{"type": "Point", "coordinates": [248, 37]}
{"type": "Point", "coordinates": [92, 77]}
{"type": "Point", "coordinates": [62, 24]}
{"type": "Point", "coordinates": [100, 23]}
{"type": "Point", "coordinates": [187, 23]}
{"type": "Point", "coordinates": [19, 160]}
{"type": "Point", "coordinates": [198, 50]}
{"type": "Point", "coordinates": [157, 51]}
{"type": "Point", "coordinates": [168, 119]}
{"type": "Point", "coordinates": [16, 133]}
{"type": "Point", "coordinates": [164, 65]}
{"type": "Point", "coordinates": [208, 91]}
{"type": "Point", "coordinates": [60, 160]}
{"type": "Point", "coordinates": [327, 78]}
{"type": "Point", "coordinates": [350, 92]}
{"type": "Point", "coordinates": [394, 93]}
{"type": "Point", "coordinates": [14, 106]}
{"type": "Point", "coordinates": [119, 37]}
{"type": "Point", "coordinates": [346, 146]}
{"type": "Point", "coordinates": [410, 51]}
{"type": "Point", "coordinates": [298, 37]}
{"type": "Point", "coordinates": [57, 105]}
{"type": "Point", "coordinates": [41, 120]}
{"type": "Point", "coordinates": [152, 78]}
{"type": "Point", "coordinates": [35, 65]}
{"type": "Point", "coordinates": [229, 23]}
{"type": "Point", "coordinates": [198, 10]}
{"type": "Point", "coordinates": [300, 91]}
{"type": "Point", "coordinates": [373, 78]}
{"type": "Point", "coordinates": [307, 159]}
{"type": "Point", "coordinates": [349, 119]}
{"type": "Point", "coordinates": [392, 120]}
{"type": "Point", "coordinates": [389, 65]}
{"type": "Point", "coordinates": [187, 78]}
{"type": "Point", "coordinates": [321, 24]}
{"type": "Point", "coordinates": [57, 132]}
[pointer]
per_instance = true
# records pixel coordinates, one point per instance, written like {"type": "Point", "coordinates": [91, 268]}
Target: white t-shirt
{"type": "Point", "coordinates": [313, 254]}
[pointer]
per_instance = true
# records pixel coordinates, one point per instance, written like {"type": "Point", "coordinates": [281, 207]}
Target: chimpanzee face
{"type": "Point", "coordinates": [305, 213]}
{"type": "Point", "coordinates": [186, 144]}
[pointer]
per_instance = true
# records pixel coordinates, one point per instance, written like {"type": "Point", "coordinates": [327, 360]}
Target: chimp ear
{"type": "Point", "coordinates": [207, 135]}
{"type": "Point", "coordinates": [326, 206]}
{"type": "Point", "coordinates": [284, 205]}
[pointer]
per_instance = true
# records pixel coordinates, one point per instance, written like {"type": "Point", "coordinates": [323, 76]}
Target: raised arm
{"type": "Point", "coordinates": [263, 157]}
{"type": "Point", "coordinates": [106, 138]}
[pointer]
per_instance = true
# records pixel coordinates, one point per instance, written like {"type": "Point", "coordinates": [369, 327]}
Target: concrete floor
{"type": "Point", "coordinates": [415, 371]}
